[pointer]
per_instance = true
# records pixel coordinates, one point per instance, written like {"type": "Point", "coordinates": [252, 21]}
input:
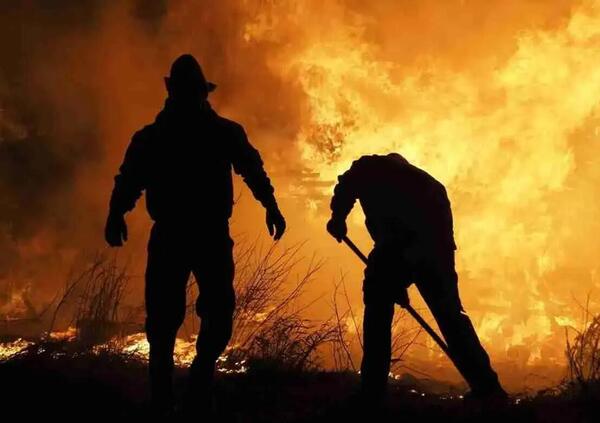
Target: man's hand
{"type": "Point", "coordinates": [115, 231]}
{"type": "Point", "coordinates": [337, 228]}
{"type": "Point", "coordinates": [275, 223]}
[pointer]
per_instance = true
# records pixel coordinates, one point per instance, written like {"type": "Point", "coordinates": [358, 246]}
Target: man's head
{"type": "Point", "coordinates": [186, 81]}
{"type": "Point", "coordinates": [397, 158]}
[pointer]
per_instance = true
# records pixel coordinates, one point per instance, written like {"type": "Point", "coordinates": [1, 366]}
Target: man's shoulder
{"type": "Point", "coordinates": [228, 125]}
{"type": "Point", "coordinates": [427, 177]}
{"type": "Point", "coordinates": [144, 134]}
{"type": "Point", "coordinates": [429, 184]}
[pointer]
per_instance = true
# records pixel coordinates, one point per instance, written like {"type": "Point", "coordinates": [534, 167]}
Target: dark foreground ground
{"type": "Point", "coordinates": [51, 385]}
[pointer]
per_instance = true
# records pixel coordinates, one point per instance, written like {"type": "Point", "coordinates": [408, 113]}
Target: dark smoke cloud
{"type": "Point", "coordinates": [150, 13]}
{"type": "Point", "coordinates": [48, 119]}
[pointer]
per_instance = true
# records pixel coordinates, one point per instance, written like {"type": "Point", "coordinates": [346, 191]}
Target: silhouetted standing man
{"type": "Point", "coordinates": [183, 162]}
{"type": "Point", "coordinates": [408, 216]}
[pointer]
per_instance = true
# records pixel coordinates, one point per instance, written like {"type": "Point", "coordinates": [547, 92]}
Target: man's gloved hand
{"type": "Point", "coordinates": [115, 231]}
{"type": "Point", "coordinates": [337, 228]}
{"type": "Point", "coordinates": [275, 223]}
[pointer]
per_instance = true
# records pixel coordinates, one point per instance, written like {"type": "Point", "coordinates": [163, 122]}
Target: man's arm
{"type": "Point", "coordinates": [248, 164]}
{"type": "Point", "coordinates": [345, 195]}
{"type": "Point", "coordinates": [130, 181]}
{"type": "Point", "coordinates": [129, 184]}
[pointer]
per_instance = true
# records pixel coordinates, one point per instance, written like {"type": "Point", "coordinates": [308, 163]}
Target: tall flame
{"type": "Point", "coordinates": [508, 141]}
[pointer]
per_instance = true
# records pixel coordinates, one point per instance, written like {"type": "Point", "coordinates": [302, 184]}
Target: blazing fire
{"type": "Point", "coordinates": [497, 99]}
{"type": "Point", "coordinates": [511, 143]}
{"type": "Point", "coordinates": [68, 334]}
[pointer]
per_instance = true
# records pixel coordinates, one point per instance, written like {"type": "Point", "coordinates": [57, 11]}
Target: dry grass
{"type": "Point", "coordinates": [348, 346]}
{"type": "Point", "coordinates": [92, 301]}
{"type": "Point", "coordinates": [583, 353]}
{"type": "Point", "coordinates": [269, 327]}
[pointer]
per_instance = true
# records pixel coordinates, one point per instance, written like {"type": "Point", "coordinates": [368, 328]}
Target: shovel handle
{"type": "Point", "coordinates": [355, 249]}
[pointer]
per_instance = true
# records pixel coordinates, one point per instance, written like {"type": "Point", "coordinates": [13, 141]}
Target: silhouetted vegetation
{"type": "Point", "coordinates": [65, 378]}
{"type": "Point", "coordinates": [583, 354]}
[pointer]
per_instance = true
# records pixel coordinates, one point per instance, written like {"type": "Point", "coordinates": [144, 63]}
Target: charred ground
{"type": "Point", "coordinates": [53, 381]}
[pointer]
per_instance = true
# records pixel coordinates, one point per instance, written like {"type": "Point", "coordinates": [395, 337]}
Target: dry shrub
{"type": "Point", "coordinates": [94, 297]}
{"type": "Point", "coordinates": [290, 343]}
{"type": "Point", "coordinates": [583, 353]}
{"type": "Point", "coordinates": [269, 329]}
{"type": "Point", "coordinates": [347, 345]}
{"type": "Point", "coordinates": [97, 314]}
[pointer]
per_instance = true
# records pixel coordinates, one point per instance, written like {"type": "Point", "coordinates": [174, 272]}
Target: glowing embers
{"type": "Point", "coordinates": [10, 349]}
{"type": "Point", "coordinates": [137, 346]}
{"type": "Point", "coordinates": [133, 346]}
{"type": "Point", "coordinates": [66, 335]}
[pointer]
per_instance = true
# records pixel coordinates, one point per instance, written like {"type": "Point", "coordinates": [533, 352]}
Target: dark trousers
{"type": "Point", "coordinates": [436, 280]}
{"type": "Point", "coordinates": [175, 251]}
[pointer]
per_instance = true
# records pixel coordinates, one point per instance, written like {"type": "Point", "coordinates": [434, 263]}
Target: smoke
{"type": "Point", "coordinates": [77, 78]}
{"type": "Point", "coordinates": [44, 117]}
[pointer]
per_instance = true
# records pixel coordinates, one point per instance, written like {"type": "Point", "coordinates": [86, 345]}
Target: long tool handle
{"type": "Point", "coordinates": [407, 307]}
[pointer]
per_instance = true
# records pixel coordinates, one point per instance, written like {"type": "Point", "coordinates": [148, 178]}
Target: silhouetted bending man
{"type": "Point", "coordinates": [408, 216]}
{"type": "Point", "coordinates": [183, 162]}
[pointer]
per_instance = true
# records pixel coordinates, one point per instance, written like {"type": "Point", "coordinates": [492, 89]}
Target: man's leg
{"type": "Point", "coordinates": [377, 327]}
{"type": "Point", "coordinates": [166, 279]}
{"type": "Point", "coordinates": [215, 306]}
{"type": "Point", "coordinates": [377, 348]}
{"type": "Point", "coordinates": [437, 283]}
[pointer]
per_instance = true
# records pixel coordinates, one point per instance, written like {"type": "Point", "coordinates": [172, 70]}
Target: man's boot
{"type": "Point", "coordinates": [162, 401]}
{"type": "Point", "coordinates": [494, 398]}
{"type": "Point", "coordinates": [199, 397]}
